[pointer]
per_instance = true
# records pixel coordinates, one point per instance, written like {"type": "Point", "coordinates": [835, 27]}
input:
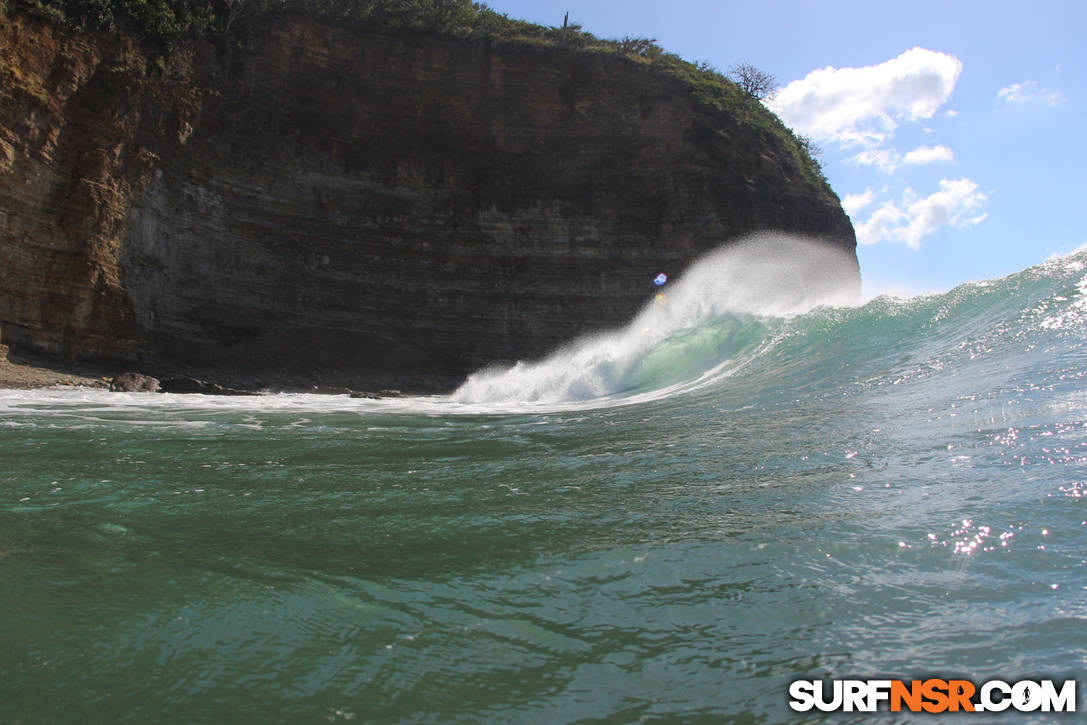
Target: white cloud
{"type": "Point", "coordinates": [1028, 92]}
{"type": "Point", "coordinates": [860, 109]}
{"type": "Point", "coordinates": [862, 106]}
{"type": "Point", "coordinates": [887, 160]}
{"type": "Point", "coordinates": [928, 155]}
{"type": "Point", "coordinates": [880, 225]}
{"type": "Point", "coordinates": [884, 159]}
{"type": "Point", "coordinates": [853, 203]}
{"type": "Point", "coordinates": [957, 203]}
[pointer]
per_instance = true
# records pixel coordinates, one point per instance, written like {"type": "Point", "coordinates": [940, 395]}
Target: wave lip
{"type": "Point", "coordinates": [716, 313]}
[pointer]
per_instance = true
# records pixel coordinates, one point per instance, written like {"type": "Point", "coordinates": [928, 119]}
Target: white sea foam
{"type": "Point", "coordinates": [764, 275]}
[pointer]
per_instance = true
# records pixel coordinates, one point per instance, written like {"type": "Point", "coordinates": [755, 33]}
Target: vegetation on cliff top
{"type": "Point", "coordinates": [163, 24]}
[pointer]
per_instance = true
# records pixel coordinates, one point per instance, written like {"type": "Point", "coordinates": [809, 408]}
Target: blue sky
{"type": "Point", "coordinates": [953, 131]}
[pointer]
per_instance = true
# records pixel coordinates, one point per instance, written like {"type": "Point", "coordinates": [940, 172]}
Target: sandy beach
{"type": "Point", "coordinates": [23, 373]}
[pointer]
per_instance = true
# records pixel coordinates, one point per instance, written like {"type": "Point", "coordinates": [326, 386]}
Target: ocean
{"type": "Point", "coordinates": [757, 480]}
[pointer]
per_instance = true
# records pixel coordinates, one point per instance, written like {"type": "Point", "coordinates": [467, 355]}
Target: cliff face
{"type": "Point", "coordinates": [355, 208]}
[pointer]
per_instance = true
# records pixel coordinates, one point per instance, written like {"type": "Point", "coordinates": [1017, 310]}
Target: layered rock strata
{"type": "Point", "coordinates": [358, 208]}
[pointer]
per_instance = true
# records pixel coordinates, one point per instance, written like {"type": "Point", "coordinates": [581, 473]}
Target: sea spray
{"type": "Point", "coordinates": [708, 317]}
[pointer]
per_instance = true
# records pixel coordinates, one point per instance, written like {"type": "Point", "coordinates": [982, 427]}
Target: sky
{"type": "Point", "coordinates": [953, 131]}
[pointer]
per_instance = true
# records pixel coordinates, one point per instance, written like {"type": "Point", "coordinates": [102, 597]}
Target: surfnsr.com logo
{"type": "Point", "coordinates": [932, 695]}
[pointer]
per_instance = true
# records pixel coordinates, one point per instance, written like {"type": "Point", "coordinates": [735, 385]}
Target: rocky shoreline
{"type": "Point", "coordinates": [22, 373]}
{"type": "Point", "coordinates": [25, 374]}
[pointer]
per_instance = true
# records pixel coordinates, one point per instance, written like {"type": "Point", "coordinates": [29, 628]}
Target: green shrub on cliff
{"type": "Point", "coordinates": [165, 22]}
{"type": "Point", "coordinates": [159, 22]}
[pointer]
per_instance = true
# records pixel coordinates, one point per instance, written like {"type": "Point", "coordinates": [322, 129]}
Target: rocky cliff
{"type": "Point", "coordinates": [359, 208]}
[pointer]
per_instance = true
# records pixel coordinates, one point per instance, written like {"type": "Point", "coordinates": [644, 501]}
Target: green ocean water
{"type": "Point", "coordinates": [668, 524]}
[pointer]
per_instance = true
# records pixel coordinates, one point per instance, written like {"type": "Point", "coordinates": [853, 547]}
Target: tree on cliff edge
{"type": "Point", "coordinates": [754, 82]}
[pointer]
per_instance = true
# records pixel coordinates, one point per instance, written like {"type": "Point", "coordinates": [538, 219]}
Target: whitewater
{"type": "Point", "coordinates": [759, 479]}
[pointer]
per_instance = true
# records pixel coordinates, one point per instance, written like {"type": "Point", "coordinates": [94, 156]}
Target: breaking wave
{"type": "Point", "coordinates": [713, 319]}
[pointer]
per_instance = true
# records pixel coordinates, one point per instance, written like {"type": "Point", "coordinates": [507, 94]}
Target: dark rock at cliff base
{"type": "Point", "coordinates": [133, 383]}
{"type": "Point", "coordinates": [376, 396]}
{"type": "Point", "coordinates": [364, 209]}
{"type": "Point", "coordinates": [192, 385]}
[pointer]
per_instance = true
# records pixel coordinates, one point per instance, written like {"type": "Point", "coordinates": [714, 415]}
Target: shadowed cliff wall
{"type": "Point", "coordinates": [359, 208]}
